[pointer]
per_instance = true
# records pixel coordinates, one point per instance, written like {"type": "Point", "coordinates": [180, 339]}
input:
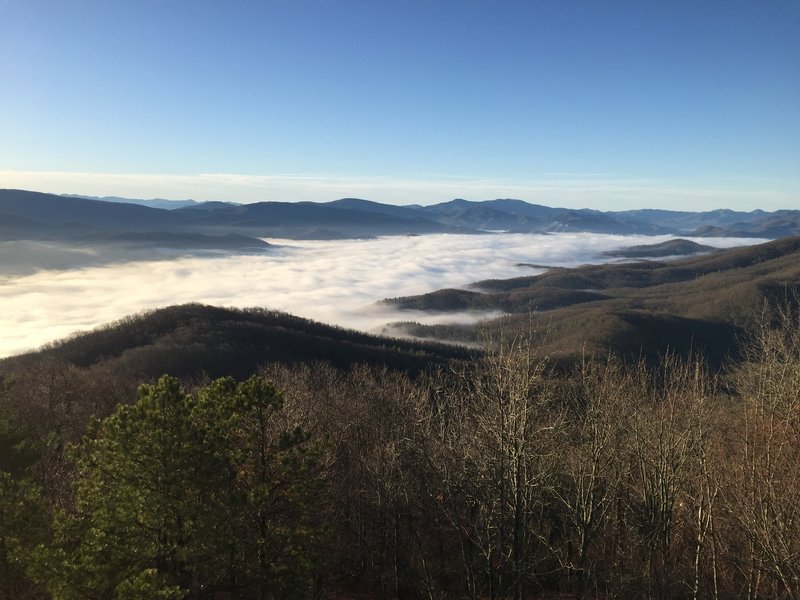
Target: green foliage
{"type": "Point", "coordinates": [22, 524]}
{"type": "Point", "coordinates": [17, 452]}
{"type": "Point", "coordinates": [148, 585]}
{"type": "Point", "coordinates": [177, 496]}
{"type": "Point", "coordinates": [22, 513]}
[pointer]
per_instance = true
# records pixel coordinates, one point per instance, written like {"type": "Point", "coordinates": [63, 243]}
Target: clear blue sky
{"type": "Point", "coordinates": [608, 104]}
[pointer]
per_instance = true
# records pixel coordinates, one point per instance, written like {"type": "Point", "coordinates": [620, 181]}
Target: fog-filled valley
{"type": "Point", "coordinates": [338, 282]}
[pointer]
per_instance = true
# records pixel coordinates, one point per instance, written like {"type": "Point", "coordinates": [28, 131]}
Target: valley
{"type": "Point", "coordinates": [335, 262]}
{"type": "Point", "coordinates": [52, 289]}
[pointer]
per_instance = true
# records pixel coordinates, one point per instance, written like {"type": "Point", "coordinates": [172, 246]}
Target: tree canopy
{"type": "Point", "coordinates": [183, 496]}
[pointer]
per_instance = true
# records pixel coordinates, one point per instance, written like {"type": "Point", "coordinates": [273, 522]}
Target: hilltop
{"type": "Point", "coordinates": [678, 247]}
{"type": "Point", "coordinates": [193, 340]}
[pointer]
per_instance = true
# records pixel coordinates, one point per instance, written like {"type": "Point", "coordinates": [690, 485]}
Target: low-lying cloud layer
{"type": "Point", "coordinates": [336, 282]}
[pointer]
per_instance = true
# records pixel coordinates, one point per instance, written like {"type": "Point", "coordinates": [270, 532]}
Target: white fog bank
{"type": "Point", "coordinates": [336, 282]}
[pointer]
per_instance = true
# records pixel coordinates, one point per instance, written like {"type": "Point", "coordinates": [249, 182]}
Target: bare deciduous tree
{"type": "Point", "coordinates": [496, 425]}
{"type": "Point", "coordinates": [766, 502]}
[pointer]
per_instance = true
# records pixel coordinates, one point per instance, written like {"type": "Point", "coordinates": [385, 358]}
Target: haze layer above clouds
{"type": "Point", "coordinates": [336, 282]}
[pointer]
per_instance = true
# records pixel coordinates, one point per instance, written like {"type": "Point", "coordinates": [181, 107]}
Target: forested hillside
{"type": "Point", "coordinates": [195, 340]}
{"type": "Point", "coordinates": [502, 476]}
{"type": "Point", "coordinates": [634, 309]}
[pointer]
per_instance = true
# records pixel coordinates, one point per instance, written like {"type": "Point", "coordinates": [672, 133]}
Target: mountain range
{"type": "Point", "coordinates": [33, 215]}
{"type": "Point", "coordinates": [48, 231]}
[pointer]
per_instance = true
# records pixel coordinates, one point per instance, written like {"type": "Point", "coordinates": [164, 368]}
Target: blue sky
{"type": "Point", "coordinates": [605, 105]}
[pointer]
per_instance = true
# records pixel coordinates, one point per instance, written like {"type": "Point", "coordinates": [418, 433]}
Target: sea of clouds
{"type": "Point", "coordinates": [336, 282]}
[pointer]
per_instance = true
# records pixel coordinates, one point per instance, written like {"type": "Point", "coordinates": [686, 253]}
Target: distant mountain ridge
{"type": "Point", "coordinates": [357, 218]}
{"type": "Point", "coordinates": [152, 203]}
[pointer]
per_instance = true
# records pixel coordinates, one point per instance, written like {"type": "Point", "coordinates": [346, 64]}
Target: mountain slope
{"type": "Point", "coordinates": [479, 215]}
{"type": "Point", "coordinates": [194, 340]}
{"type": "Point", "coordinates": [82, 214]}
{"type": "Point", "coordinates": [698, 304]}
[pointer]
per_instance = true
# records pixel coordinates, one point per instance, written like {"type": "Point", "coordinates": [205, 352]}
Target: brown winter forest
{"type": "Point", "coordinates": [436, 474]}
